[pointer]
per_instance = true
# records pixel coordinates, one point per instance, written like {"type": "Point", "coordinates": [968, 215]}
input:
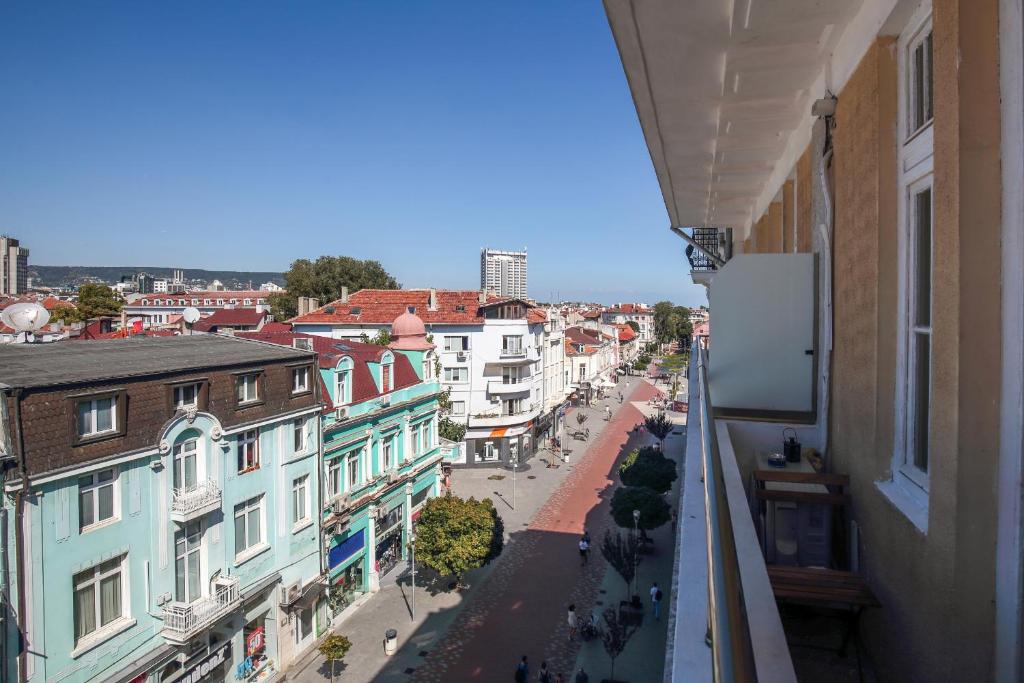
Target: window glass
{"type": "Point", "coordinates": [96, 498]}
{"type": "Point", "coordinates": [300, 380]}
{"type": "Point", "coordinates": [248, 450]}
{"type": "Point", "coordinates": [248, 522]}
{"type": "Point", "coordinates": [97, 598]}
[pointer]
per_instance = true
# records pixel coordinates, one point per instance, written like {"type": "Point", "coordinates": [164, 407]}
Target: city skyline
{"type": "Point", "coordinates": [347, 130]}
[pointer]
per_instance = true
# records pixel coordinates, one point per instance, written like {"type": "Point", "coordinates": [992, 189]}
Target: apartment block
{"type": "Point", "coordinates": [503, 272]}
{"type": "Point", "coordinates": [13, 267]}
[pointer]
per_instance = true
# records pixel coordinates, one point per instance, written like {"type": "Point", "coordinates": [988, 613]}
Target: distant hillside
{"type": "Point", "coordinates": [57, 276]}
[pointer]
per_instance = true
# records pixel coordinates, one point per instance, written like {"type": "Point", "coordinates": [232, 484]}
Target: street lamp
{"type": "Point", "coordinates": [636, 558]}
{"type": "Point", "coordinates": [514, 461]}
{"type": "Point", "coordinates": [412, 546]}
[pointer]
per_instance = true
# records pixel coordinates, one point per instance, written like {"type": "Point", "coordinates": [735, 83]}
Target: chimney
{"type": "Point", "coordinates": [483, 295]}
{"type": "Point", "coordinates": [307, 304]}
{"type": "Point", "coordinates": [344, 295]}
{"type": "Point", "coordinates": [432, 302]}
{"type": "Point", "coordinates": [124, 318]}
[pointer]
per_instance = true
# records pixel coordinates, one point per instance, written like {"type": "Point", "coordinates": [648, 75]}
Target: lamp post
{"type": "Point", "coordinates": [412, 546]}
{"type": "Point", "coordinates": [636, 535]}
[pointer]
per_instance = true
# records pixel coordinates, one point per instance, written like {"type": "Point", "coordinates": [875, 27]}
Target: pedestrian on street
{"type": "Point", "coordinates": [620, 397]}
{"type": "Point", "coordinates": [586, 537]}
{"type": "Point", "coordinates": [584, 551]}
{"type": "Point", "coordinates": [558, 678]}
{"type": "Point", "coordinates": [608, 412]}
{"type": "Point", "coordinates": [573, 623]}
{"type": "Point", "coordinates": [656, 600]}
{"type": "Point", "coordinates": [582, 677]}
{"type": "Point", "coordinates": [522, 671]}
{"type": "Point", "coordinates": [544, 676]}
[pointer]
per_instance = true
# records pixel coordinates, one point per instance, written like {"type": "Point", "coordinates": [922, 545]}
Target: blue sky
{"type": "Point", "coordinates": [246, 135]}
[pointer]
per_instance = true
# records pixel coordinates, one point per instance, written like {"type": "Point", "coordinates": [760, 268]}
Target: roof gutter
{"type": "Point", "coordinates": [689, 240]}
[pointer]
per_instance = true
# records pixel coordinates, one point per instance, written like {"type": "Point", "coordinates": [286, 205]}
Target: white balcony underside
{"type": "Point", "coordinates": [195, 501]}
{"type": "Point", "coordinates": [499, 388]}
{"type": "Point", "coordinates": [504, 420]}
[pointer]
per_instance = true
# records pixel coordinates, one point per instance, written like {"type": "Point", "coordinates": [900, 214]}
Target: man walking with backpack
{"type": "Point", "coordinates": [656, 600]}
{"type": "Point", "coordinates": [522, 671]}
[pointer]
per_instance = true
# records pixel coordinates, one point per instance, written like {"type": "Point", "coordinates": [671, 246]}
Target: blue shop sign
{"type": "Point", "coordinates": [346, 549]}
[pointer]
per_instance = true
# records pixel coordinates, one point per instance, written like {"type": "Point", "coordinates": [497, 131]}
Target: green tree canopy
{"type": "Point", "coordinates": [97, 300]}
{"type": "Point", "coordinates": [622, 552]}
{"type": "Point", "coordinates": [634, 325]}
{"type": "Point", "coordinates": [324, 278]}
{"type": "Point", "coordinates": [450, 429]}
{"type": "Point", "coordinates": [660, 426]}
{"type": "Point", "coordinates": [333, 648]}
{"type": "Point", "coordinates": [662, 324]}
{"type": "Point", "coordinates": [648, 467]}
{"type": "Point", "coordinates": [454, 535]}
{"type": "Point", "coordinates": [654, 511]}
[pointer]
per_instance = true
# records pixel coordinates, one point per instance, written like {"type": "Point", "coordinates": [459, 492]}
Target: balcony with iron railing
{"type": "Point", "coordinates": [190, 502]}
{"type": "Point", "coordinates": [183, 621]}
{"type": "Point", "coordinates": [709, 250]}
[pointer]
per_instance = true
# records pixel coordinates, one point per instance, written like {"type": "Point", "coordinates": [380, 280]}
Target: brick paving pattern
{"type": "Point", "coordinates": [522, 606]}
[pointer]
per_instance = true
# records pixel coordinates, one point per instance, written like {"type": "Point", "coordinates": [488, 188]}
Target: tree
{"type": "Point", "coordinates": [333, 648]}
{"type": "Point", "coordinates": [454, 535]}
{"type": "Point", "coordinates": [682, 328]}
{"type": "Point", "coordinates": [616, 635]}
{"type": "Point", "coordinates": [67, 315]}
{"type": "Point", "coordinates": [660, 426]}
{"type": "Point", "coordinates": [623, 554]}
{"type": "Point", "coordinates": [649, 468]}
{"type": "Point", "coordinates": [382, 338]}
{"type": "Point", "coordinates": [324, 278]}
{"type": "Point", "coordinates": [450, 429]}
{"type": "Point", "coordinates": [662, 325]}
{"type": "Point", "coordinates": [634, 324]}
{"type": "Point", "coordinates": [581, 417]}
{"type": "Point", "coordinates": [97, 300]}
{"type": "Point", "coordinates": [654, 511]}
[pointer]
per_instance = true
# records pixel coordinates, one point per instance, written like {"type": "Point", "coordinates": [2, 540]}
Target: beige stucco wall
{"type": "Point", "coordinates": [937, 587]}
{"type": "Point", "coordinates": [788, 209]}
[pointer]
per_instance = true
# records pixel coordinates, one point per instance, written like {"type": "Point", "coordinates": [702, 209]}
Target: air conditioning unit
{"type": "Point", "coordinates": [339, 504]}
{"type": "Point", "coordinates": [393, 476]}
{"type": "Point", "coordinates": [385, 400]}
{"type": "Point", "coordinates": [461, 355]}
{"type": "Point", "coordinates": [341, 412]}
{"type": "Point", "coordinates": [291, 592]}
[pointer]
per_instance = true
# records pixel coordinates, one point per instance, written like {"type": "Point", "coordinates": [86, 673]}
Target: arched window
{"type": "Point", "coordinates": [428, 366]}
{"type": "Point", "coordinates": [343, 382]}
{"type": "Point", "coordinates": [387, 378]}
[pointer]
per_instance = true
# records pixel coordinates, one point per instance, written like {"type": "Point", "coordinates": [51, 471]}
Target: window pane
{"type": "Point", "coordinates": [254, 527]}
{"type": "Point", "coordinates": [110, 599]}
{"type": "Point", "coordinates": [179, 580]}
{"type": "Point", "coordinates": [190, 469]}
{"type": "Point", "coordinates": [104, 414]}
{"type": "Point", "coordinates": [241, 388]}
{"type": "Point", "coordinates": [86, 514]}
{"type": "Point", "coordinates": [85, 418]}
{"type": "Point", "coordinates": [105, 475]}
{"type": "Point", "coordinates": [923, 256]}
{"type": "Point", "coordinates": [922, 377]}
{"type": "Point", "coordinates": [105, 495]}
{"type": "Point", "coordinates": [917, 89]}
{"type": "Point", "coordinates": [928, 78]}
{"type": "Point", "coordinates": [239, 533]}
{"type": "Point", "coordinates": [85, 611]}
{"type": "Point", "coordinates": [194, 589]}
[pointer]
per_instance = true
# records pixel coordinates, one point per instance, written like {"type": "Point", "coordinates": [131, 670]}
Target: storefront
{"type": "Point", "coordinates": [496, 447]}
{"type": "Point", "coordinates": [345, 562]}
{"type": "Point", "coordinates": [389, 550]}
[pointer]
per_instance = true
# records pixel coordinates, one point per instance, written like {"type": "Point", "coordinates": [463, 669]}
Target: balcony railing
{"type": "Point", "coordinates": [513, 351]}
{"type": "Point", "coordinates": [713, 240]}
{"type": "Point", "coordinates": [183, 620]}
{"type": "Point", "coordinates": [194, 501]}
{"type": "Point", "coordinates": [499, 387]}
{"type": "Point", "coordinates": [504, 419]}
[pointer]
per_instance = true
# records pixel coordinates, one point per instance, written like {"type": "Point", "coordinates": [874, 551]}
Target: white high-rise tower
{"type": "Point", "coordinates": [503, 272]}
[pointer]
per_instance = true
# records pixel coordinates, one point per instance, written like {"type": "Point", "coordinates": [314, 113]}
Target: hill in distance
{"type": "Point", "coordinates": [58, 276]}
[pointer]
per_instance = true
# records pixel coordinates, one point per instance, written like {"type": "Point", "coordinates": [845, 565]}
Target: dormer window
{"type": "Point", "coordinates": [343, 382]}
{"type": "Point", "coordinates": [411, 309]}
{"type": "Point", "coordinates": [387, 380]}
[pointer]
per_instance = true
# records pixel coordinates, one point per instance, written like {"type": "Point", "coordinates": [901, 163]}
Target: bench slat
{"type": "Point", "coordinates": [820, 586]}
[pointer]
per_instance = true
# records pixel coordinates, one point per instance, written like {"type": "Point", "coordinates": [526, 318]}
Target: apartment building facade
{"type": "Point", "coordinates": [161, 308]}
{"type": "Point", "coordinates": [13, 267]}
{"type": "Point", "coordinates": [160, 492]}
{"type": "Point", "coordinates": [382, 455]}
{"type": "Point", "coordinates": [867, 159]}
{"type": "Point", "coordinates": [490, 355]}
{"type": "Point", "coordinates": [640, 314]}
{"type": "Point", "coordinates": [503, 272]}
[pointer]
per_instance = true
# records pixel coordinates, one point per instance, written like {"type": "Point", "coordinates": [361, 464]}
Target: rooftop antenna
{"type": "Point", "coordinates": [25, 319]}
{"type": "Point", "coordinates": [190, 315]}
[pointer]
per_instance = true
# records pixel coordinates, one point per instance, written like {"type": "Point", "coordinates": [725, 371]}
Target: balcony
{"type": "Point", "coordinates": [183, 621]}
{"type": "Point", "coordinates": [496, 420]}
{"type": "Point", "coordinates": [513, 352]}
{"type": "Point", "coordinates": [499, 388]}
{"type": "Point", "coordinates": [190, 502]}
{"type": "Point", "coordinates": [714, 241]}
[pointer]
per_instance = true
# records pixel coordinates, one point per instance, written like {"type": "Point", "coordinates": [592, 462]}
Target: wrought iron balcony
{"type": "Point", "coordinates": [182, 621]}
{"type": "Point", "coordinates": [190, 502]}
{"type": "Point", "coordinates": [716, 241]}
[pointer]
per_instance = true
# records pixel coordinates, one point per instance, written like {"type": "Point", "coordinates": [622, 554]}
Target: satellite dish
{"type": "Point", "coordinates": [190, 315]}
{"type": "Point", "coordinates": [26, 317]}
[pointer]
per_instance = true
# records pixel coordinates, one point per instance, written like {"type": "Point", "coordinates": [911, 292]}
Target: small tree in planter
{"type": "Point", "coordinates": [622, 554]}
{"type": "Point", "coordinates": [650, 468]}
{"type": "Point", "coordinates": [334, 648]}
{"type": "Point", "coordinates": [616, 636]}
{"type": "Point", "coordinates": [581, 418]}
{"type": "Point", "coordinates": [660, 426]}
{"type": "Point", "coordinates": [654, 511]}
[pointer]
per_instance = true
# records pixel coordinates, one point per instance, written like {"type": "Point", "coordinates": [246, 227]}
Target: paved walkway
{"type": "Point", "coordinates": [521, 607]}
{"type": "Point", "coordinates": [436, 606]}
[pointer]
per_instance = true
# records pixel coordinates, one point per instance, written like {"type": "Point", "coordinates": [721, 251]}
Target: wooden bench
{"type": "Point", "coordinates": [817, 586]}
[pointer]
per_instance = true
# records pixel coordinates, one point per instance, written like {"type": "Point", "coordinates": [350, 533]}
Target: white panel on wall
{"type": "Point", "coordinates": [762, 326]}
{"type": "Point", "coordinates": [62, 513]}
{"type": "Point", "coordinates": [135, 490]}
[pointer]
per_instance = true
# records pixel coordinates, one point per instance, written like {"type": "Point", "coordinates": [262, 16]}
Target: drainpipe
{"type": "Point", "coordinates": [824, 109]}
{"type": "Point", "coordinates": [19, 538]}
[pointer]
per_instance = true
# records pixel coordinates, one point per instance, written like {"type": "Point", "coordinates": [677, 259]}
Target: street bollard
{"type": "Point", "coordinates": [390, 641]}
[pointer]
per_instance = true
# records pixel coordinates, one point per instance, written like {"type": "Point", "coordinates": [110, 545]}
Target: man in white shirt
{"type": "Point", "coordinates": [656, 600]}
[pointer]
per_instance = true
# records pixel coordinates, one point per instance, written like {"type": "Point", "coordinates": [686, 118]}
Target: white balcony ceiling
{"type": "Point", "coordinates": [723, 89]}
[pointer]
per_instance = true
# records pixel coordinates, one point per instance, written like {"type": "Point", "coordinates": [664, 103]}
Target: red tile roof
{"type": "Point", "coordinates": [634, 309]}
{"type": "Point", "coordinates": [231, 317]}
{"type": "Point", "coordinates": [536, 315]}
{"type": "Point", "coordinates": [382, 306]}
{"type": "Point", "coordinates": [330, 351]}
{"type": "Point", "coordinates": [592, 315]}
{"type": "Point", "coordinates": [626, 333]}
{"type": "Point", "coordinates": [582, 336]}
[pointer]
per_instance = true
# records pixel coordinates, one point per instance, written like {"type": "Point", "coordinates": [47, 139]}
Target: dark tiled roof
{"type": "Point", "coordinates": [63, 362]}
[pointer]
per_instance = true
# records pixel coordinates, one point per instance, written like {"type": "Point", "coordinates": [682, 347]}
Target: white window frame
{"type": "Point", "coordinates": [249, 436]}
{"type": "Point", "coordinates": [300, 380]}
{"type": "Point", "coordinates": [242, 388]}
{"type": "Point", "coordinates": [93, 489]}
{"type": "Point", "coordinates": [179, 392]}
{"type": "Point", "coordinates": [515, 348]}
{"type": "Point", "coordinates": [449, 343]}
{"type": "Point", "coordinates": [451, 372]}
{"type": "Point", "coordinates": [178, 454]}
{"type": "Point", "coordinates": [387, 379]}
{"type": "Point", "coordinates": [242, 510]}
{"type": "Point", "coordinates": [458, 407]}
{"type": "Point", "coordinates": [512, 374]}
{"type": "Point", "coordinates": [343, 382]}
{"type": "Point", "coordinates": [352, 458]}
{"type": "Point", "coordinates": [915, 174]}
{"type": "Point", "coordinates": [115, 625]}
{"type": "Point", "coordinates": [388, 454]}
{"type": "Point", "coordinates": [300, 499]}
{"type": "Point", "coordinates": [93, 413]}
{"type": "Point", "coordinates": [333, 477]}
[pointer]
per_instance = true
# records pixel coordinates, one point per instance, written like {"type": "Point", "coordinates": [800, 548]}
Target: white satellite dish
{"type": "Point", "coordinates": [190, 315]}
{"type": "Point", "coordinates": [26, 317]}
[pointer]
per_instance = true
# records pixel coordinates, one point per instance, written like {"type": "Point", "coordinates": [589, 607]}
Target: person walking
{"type": "Point", "coordinates": [586, 537]}
{"type": "Point", "coordinates": [620, 397]}
{"type": "Point", "coordinates": [522, 671]}
{"type": "Point", "coordinates": [656, 600]}
{"type": "Point", "coordinates": [559, 678]}
{"type": "Point", "coordinates": [584, 551]}
{"type": "Point", "coordinates": [573, 623]}
{"type": "Point", "coordinates": [607, 413]}
{"type": "Point", "coordinates": [582, 677]}
{"type": "Point", "coordinates": [544, 676]}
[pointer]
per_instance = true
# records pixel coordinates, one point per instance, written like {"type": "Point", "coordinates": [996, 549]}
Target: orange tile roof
{"type": "Point", "coordinates": [626, 333]}
{"type": "Point", "coordinates": [382, 306]}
